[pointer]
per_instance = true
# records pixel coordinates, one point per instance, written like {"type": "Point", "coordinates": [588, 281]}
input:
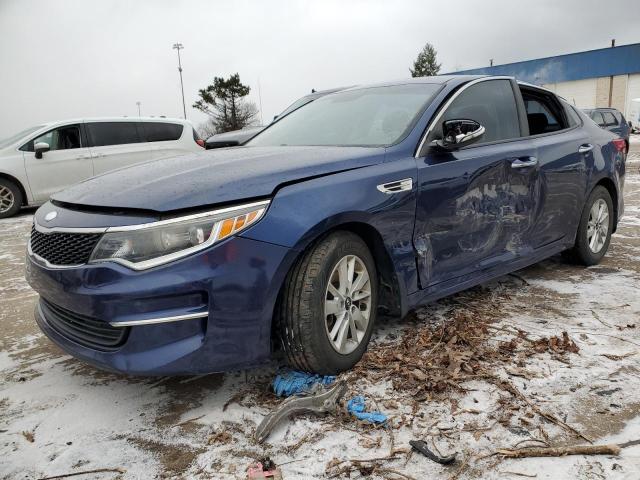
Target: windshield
{"type": "Point", "coordinates": [297, 104]}
{"type": "Point", "coordinates": [376, 116]}
{"type": "Point", "coordinates": [14, 138]}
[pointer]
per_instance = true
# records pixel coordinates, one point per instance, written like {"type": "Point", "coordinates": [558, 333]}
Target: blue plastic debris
{"type": "Point", "coordinates": [292, 382]}
{"type": "Point", "coordinates": [356, 406]}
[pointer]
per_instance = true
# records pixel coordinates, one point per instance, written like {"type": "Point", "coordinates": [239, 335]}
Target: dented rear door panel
{"type": "Point", "coordinates": [474, 210]}
{"type": "Point", "coordinates": [563, 182]}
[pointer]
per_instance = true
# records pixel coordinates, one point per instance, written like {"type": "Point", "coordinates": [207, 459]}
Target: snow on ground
{"type": "Point", "coordinates": [60, 416]}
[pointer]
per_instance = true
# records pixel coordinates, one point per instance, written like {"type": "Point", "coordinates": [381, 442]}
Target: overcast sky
{"type": "Point", "coordinates": [66, 59]}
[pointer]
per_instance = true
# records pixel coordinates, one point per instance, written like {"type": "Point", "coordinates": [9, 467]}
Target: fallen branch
{"type": "Point", "coordinates": [86, 472]}
{"type": "Point", "coordinates": [607, 335]}
{"type": "Point", "coordinates": [511, 388]}
{"type": "Point", "coordinates": [519, 474]}
{"type": "Point", "coordinates": [560, 451]}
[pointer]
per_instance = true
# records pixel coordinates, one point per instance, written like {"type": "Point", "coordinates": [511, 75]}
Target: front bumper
{"type": "Point", "coordinates": [230, 290]}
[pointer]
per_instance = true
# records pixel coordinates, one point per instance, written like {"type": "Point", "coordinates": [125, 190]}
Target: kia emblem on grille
{"type": "Point", "coordinates": [50, 216]}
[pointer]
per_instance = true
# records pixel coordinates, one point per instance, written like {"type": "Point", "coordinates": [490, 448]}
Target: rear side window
{"type": "Point", "coordinates": [162, 132]}
{"type": "Point", "coordinates": [544, 112]}
{"type": "Point", "coordinates": [490, 103]}
{"type": "Point", "coordinates": [572, 116]}
{"type": "Point", "coordinates": [112, 133]}
{"type": "Point", "coordinates": [597, 117]}
{"type": "Point", "coordinates": [609, 119]}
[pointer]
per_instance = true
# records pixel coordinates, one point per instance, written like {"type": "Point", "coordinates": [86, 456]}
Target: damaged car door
{"type": "Point", "coordinates": [477, 202]}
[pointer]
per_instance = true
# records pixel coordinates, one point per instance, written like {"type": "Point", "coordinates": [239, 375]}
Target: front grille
{"type": "Point", "coordinates": [86, 331]}
{"type": "Point", "coordinates": [60, 248]}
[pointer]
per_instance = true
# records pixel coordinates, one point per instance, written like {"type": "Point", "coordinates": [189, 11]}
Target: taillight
{"type": "Point", "coordinates": [200, 142]}
{"type": "Point", "coordinates": [620, 145]}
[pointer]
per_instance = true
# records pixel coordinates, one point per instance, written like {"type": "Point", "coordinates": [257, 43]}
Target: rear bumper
{"type": "Point", "coordinates": [221, 301]}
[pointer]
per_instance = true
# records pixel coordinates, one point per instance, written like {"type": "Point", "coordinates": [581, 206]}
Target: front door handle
{"type": "Point", "coordinates": [524, 162]}
{"type": "Point", "coordinates": [585, 148]}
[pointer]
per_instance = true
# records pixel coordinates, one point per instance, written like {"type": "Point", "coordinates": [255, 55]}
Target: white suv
{"type": "Point", "coordinates": [45, 159]}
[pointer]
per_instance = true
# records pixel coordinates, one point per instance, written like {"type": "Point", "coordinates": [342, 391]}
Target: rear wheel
{"type": "Point", "coordinates": [328, 306]}
{"type": "Point", "coordinates": [10, 198]}
{"type": "Point", "coordinates": [596, 225]}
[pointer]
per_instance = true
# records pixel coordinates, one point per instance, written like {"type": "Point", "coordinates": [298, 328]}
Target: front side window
{"type": "Point", "coordinates": [62, 138]}
{"type": "Point", "coordinates": [376, 116]}
{"type": "Point", "coordinates": [112, 133]}
{"type": "Point", "coordinates": [490, 103]}
{"type": "Point", "coordinates": [162, 132]}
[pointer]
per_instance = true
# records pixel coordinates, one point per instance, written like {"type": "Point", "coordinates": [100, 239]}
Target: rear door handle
{"type": "Point", "coordinates": [83, 157]}
{"type": "Point", "coordinates": [524, 162]}
{"type": "Point", "coordinates": [585, 148]}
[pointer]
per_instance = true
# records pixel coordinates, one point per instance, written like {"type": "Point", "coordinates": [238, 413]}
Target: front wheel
{"type": "Point", "coordinates": [10, 198]}
{"type": "Point", "coordinates": [328, 306]}
{"type": "Point", "coordinates": [594, 231]}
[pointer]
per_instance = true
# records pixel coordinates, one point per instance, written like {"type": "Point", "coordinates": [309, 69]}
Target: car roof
{"type": "Point", "coordinates": [606, 109]}
{"type": "Point", "coordinates": [115, 119]}
{"type": "Point", "coordinates": [437, 80]}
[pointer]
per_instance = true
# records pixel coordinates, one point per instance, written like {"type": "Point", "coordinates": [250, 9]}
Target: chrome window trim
{"type": "Point", "coordinates": [446, 105]}
{"type": "Point", "coordinates": [152, 321]}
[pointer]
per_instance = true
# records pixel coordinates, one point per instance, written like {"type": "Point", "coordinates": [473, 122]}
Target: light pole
{"type": "Point", "coordinates": [178, 47]}
{"type": "Point", "coordinates": [138, 104]}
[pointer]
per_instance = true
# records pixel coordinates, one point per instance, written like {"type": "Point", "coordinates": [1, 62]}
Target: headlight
{"type": "Point", "coordinates": [148, 245]}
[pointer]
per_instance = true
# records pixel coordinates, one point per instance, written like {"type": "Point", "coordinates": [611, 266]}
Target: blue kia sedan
{"type": "Point", "coordinates": [368, 202]}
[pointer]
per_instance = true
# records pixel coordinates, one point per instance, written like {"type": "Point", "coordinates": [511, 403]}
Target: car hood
{"type": "Point", "coordinates": [213, 177]}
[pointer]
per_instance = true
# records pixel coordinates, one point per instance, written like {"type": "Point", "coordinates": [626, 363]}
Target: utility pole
{"type": "Point", "coordinates": [491, 62]}
{"type": "Point", "coordinates": [260, 100]}
{"type": "Point", "coordinates": [138, 104]}
{"type": "Point", "coordinates": [178, 47]}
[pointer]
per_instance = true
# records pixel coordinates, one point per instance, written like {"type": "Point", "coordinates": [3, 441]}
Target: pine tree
{"type": "Point", "coordinates": [224, 102]}
{"type": "Point", "coordinates": [426, 64]}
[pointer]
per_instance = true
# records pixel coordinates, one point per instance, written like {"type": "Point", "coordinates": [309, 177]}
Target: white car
{"type": "Point", "coordinates": [42, 160]}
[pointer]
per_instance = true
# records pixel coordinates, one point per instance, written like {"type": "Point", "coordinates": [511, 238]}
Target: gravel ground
{"type": "Point", "coordinates": [511, 379]}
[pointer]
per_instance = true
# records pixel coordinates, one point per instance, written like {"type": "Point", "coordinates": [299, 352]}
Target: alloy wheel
{"type": "Point", "coordinates": [6, 199]}
{"type": "Point", "coordinates": [347, 305]}
{"type": "Point", "coordinates": [598, 225]}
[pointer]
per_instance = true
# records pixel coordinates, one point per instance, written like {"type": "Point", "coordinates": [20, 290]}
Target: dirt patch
{"type": "Point", "coordinates": [185, 394]}
{"type": "Point", "coordinates": [175, 458]}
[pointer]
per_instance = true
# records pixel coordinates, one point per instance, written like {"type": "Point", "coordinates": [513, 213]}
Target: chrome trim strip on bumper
{"type": "Point", "coordinates": [152, 321]}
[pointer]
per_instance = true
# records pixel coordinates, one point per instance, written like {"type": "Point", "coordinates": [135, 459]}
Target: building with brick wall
{"type": "Point", "coordinates": [607, 77]}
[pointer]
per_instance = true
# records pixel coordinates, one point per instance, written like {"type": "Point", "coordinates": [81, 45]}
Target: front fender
{"type": "Point", "coordinates": [302, 212]}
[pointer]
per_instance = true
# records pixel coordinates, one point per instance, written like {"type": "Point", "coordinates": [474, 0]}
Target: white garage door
{"type": "Point", "coordinates": [581, 93]}
{"type": "Point", "coordinates": [632, 108]}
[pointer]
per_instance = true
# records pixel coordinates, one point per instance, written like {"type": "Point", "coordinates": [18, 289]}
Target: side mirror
{"type": "Point", "coordinates": [459, 133]}
{"type": "Point", "coordinates": [40, 148]}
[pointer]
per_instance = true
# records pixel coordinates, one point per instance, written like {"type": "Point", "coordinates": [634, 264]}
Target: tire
{"type": "Point", "coordinates": [304, 328]}
{"type": "Point", "coordinates": [583, 252]}
{"type": "Point", "coordinates": [10, 198]}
